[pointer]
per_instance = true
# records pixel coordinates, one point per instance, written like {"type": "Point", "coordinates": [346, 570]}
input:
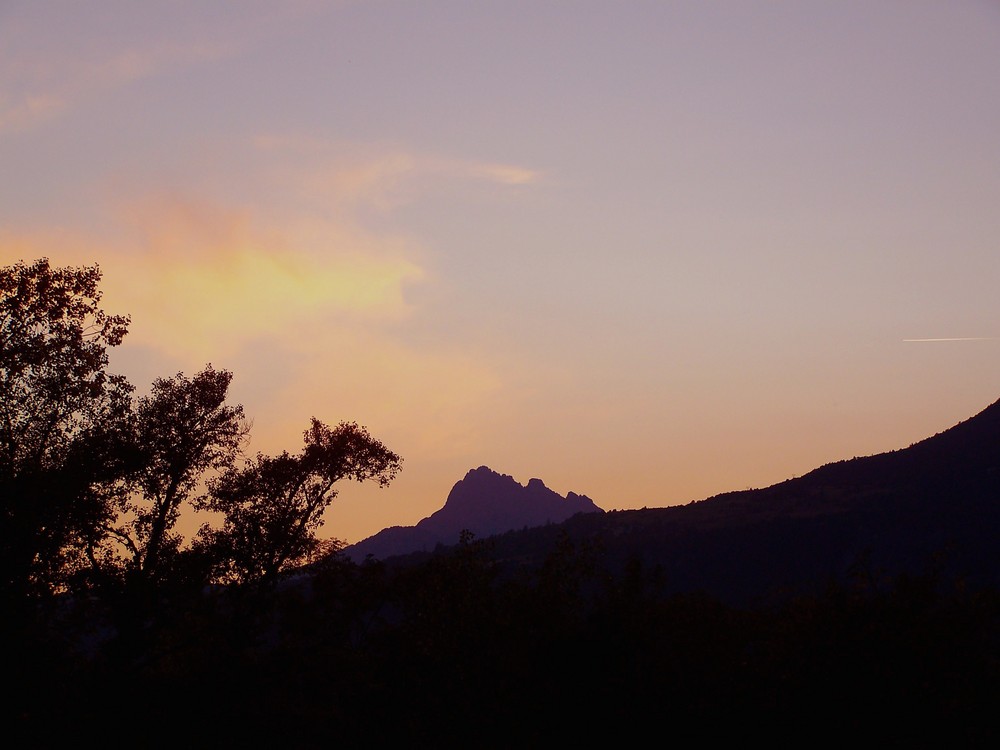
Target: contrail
{"type": "Point", "coordinates": [958, 338]}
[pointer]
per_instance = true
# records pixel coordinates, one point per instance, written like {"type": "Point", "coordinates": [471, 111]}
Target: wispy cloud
{"type": "Point", "coordinates": [206, 279]}
{"type": "Point", "coordinates": [379, 176]}
{"type": "Point", "coordinates": [203, 273]}
{"type": "Point", "coordinates": [275, 266]}
{"type": "Point", "coordinates": [30, 94]}
{"type": "Point", "coordinates": [954, 338]}
{"type": "Point", "coordinates": [508, 175]}
{"type": "Point", "coordinates": [19, 111]}
{"type": "Point", "coordinates": [318, 329]}
{"type": "Point", "coordinates": [55, 56]}
{"type": "Point", "coordinates": [210, 278]}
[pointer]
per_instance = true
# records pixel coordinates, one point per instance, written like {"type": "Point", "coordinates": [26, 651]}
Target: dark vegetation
{"type": "Point", "coordinates": [119, 632]}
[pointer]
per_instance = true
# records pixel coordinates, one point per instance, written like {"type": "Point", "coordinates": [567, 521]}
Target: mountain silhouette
{"type": "Point", "coordinates": [485, 503]}
{"type": "Point", "coordinates": [933, 507]}
{"type": "Point", "coordinates": [722, 621]}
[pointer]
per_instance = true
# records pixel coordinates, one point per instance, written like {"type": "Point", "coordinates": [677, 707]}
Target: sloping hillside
{"type": "Point", "coordinates": [932, 506]}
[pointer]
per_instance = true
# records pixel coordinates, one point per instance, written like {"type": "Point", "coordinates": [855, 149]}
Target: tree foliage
{"type": "Point", "coordinates": [94, 482]}
{"type": "Point", "coordinates": [183, 429]}
{"type": "Point", "coordinates": [59, 414]}
{"type": "Point", "coordinates": [274, 505]}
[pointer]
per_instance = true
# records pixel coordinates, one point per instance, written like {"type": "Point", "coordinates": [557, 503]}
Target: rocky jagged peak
{"type": "Point", "coordinates": [487, 502]}
{"type": "Point", "coordinates": [484, 502]}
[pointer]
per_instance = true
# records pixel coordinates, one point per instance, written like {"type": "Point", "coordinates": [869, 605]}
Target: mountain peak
{"type": "Point", "coordinates": [484, 502]}
{"type": "Point", "coordinates": [488, 502]}
{"type": "Point", "coordinates": [483, 471]}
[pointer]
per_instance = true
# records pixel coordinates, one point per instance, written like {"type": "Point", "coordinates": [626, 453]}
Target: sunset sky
{"type": "Point", "coordinates": [644, 251]}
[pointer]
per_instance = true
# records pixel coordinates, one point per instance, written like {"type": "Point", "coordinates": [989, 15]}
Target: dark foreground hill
{"type": "Point", "coordinates": [483, 503]}
{"type": "Point", "coordinates": [932, 507]}
{"type": "Point", "coordinates": [855, 604]}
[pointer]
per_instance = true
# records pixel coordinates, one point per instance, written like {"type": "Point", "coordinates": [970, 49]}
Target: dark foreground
{"type": "Point", "coordinates": [450, 652]}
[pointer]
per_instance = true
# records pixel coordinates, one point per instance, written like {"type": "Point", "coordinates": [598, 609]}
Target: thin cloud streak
{"type": "Point", "coordinates": [380, 177]}
{"type": "Point", "coordinates": [954, 338]}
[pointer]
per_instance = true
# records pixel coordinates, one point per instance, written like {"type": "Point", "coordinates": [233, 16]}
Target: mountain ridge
{"type": "Point", "coordinates": [934, 505]}
{"type": "Point", "coordinates": [484, 503]}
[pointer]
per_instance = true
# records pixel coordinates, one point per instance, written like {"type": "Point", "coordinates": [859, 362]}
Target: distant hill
{"type": "Point", "coordinates": [934, 506]}
{"type": "Point", "coordinates": [485, 503]}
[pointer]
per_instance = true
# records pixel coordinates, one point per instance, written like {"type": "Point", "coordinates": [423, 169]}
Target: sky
{"type": "Point", "coordinates": [644, 251]}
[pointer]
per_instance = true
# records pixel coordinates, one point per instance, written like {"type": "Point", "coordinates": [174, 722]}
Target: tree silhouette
{"type": "Point", "coordinates": [182, 430]}
{"type": "Point", "coordinates": [59, 417]}
{"type": "Point", "coordinates": [274, 505]}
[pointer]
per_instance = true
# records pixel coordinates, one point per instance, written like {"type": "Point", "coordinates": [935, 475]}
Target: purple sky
{"type": "Point", "coordinates": [645, 251]}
